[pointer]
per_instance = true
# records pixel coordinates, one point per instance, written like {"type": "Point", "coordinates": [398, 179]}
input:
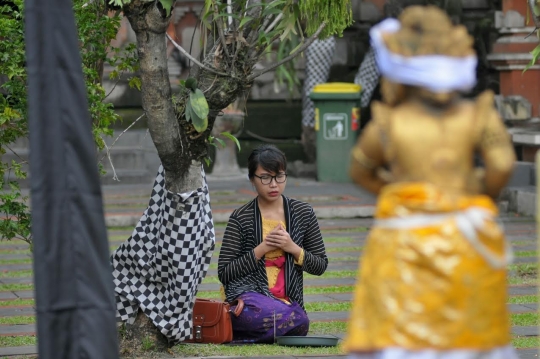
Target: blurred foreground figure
{"type": "Point", "coordinates": [433, 274]}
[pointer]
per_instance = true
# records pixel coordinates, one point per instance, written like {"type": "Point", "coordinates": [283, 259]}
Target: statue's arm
{"type": "Point", "coordinates": [496, 148]}
{"type": "Point", "coordinates": [367, 159]}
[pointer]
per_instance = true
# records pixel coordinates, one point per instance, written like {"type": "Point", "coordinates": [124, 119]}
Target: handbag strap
{"type": "Point", "coordinates": [239, 303]}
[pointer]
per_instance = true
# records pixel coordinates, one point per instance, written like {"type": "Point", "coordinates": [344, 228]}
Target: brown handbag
{"type": "Point", "coordinates": [212, 321]}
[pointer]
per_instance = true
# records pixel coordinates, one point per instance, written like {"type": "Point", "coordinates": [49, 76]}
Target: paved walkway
{"type": "Point", "coordinates": [343, 211]}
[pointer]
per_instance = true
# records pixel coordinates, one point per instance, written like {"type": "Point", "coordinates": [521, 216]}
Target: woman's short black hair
{"type": "Point", "coordinates": [268, 157]}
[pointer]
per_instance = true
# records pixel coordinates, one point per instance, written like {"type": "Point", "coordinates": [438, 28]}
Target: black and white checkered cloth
{"type": "Point", "coordinates": [368, 77]}
{"type": "Point", "coordinates": [319, 56]}
{"type": "Point", "coordinates": [158, 269]}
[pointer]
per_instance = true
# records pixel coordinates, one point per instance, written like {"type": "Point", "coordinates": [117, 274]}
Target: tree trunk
{"type": "Point", "coordinates": [179, 146]}
{"type": "Point", "coordinates": [149, 24]}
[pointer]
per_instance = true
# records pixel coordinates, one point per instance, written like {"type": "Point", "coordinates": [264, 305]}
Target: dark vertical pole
{"type": "Point", "coordinates": [73, 281]}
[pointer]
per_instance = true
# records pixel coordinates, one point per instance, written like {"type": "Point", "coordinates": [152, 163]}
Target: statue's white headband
{"type": "Point", "coordinates": [437, 73]}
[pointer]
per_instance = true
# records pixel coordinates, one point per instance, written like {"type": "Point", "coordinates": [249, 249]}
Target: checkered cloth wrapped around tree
{"type": "Point", "coordinates": [158, 269]}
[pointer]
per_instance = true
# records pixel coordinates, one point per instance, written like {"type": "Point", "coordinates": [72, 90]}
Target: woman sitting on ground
{"type": "Point", "coordinates": [267, 245]}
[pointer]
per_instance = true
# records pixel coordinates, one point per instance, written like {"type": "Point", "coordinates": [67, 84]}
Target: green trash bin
{"type": "Point", "coordinates": [337, 121]}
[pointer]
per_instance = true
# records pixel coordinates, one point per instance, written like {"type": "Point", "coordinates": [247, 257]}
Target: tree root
{"type": "Point", "coordinates": [141, 339]}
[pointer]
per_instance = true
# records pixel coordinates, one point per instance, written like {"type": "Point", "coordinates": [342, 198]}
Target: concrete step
{"type": "Point", "coordinates": [18, 351]}
{"type": "Point", "coordinates": [133, 155]}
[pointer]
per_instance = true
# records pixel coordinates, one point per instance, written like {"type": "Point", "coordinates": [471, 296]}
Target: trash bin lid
{"type": "Point", "coordinates": [337, 87]}
{"type": "Point", "coordinates": [336, 91]}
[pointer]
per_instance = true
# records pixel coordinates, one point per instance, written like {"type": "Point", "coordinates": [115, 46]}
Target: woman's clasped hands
{"type": "Point", "coordinates": [280, 238]}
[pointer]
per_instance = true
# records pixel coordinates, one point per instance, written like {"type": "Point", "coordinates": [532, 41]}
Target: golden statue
{"type": "Point", "coordinates": [433, 272]}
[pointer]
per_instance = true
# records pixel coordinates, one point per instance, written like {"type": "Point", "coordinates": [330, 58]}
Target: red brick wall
{"type": "Point", "coordinates": [513, 47]}
{"type": "Point", "coordinates": [526, 85]}
{"type": "Point", "coordinates": [516, 5]}
{"type": "Point", "coordinates": [528, 153]}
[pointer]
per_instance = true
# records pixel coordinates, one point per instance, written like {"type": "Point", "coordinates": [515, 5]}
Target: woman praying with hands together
{"type": "Point", "coordinates": [268, 244]}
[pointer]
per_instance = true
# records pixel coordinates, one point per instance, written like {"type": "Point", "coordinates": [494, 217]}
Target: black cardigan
{"type": "Point", "coordinates": [238, 269]}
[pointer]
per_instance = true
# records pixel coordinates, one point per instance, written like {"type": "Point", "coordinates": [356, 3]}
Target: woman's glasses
{"type": "Point", "coordinates": [266, 179]}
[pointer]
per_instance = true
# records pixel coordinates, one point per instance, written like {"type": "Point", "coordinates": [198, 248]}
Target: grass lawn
{"type": "Point", "coordinates": [340, 240]}
{"type": "Point", "coordinates": [523, 299]}
{"type": "Point", "coordinates": [526, 342]}
{"type": "Point", "coordinates": [16, 287]}
{"type": "Point", "coordinates": [321, 328]}
{"type": "Point", "coordinates": [123, 229]}
{"type": "Point", "coordinates": [519, 274]}
{"type": "Point", "coordinates": [250, 351]}
{"type": "Point", "coordinates": [344, 249]}
{"type": "Point", "coordinates": [327, 275]}
{"type": "Point", "coordinates": [333, 274]}
{"type": "Point", "coordinates": [118, 238]}
{"type": "Point", "coordinates": [16, 274]}
{"type": "Point", "coordinates": [520, 243]}
{"type": "Point", "coordinates": [345, 259]}
{"type": "Point", "coordinates": [17, 320]}
{"type": "Point", "coordinates": [16, 261]}
{"type": "Point", "coordinates": [525, 319]}
{"type": "Point", "coordinates": [17, 303]}
{"type": "Point", "coordinates": [344, 230]}
{"type": "Point", "coordinates": [328, 306]}
{"type": "Point", "coordinates": [15, 251]}
{"type": "Point", "coordinates": [18, 341]}
{"type": "Point", "coordinates": [526, 253]}
{"type": "Point", "coordinates": [334, 289]}
{"type": "Point", "coordinates": [523, 273]}
{"type": "Point", "coordinates": [524, 269]}
{"type": "Point", "coordinates": [522, 281]}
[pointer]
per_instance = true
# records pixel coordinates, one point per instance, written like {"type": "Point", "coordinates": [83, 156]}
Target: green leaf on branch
{"type": "Point", "coordinates": [119, 3]}
{"type": "Point", "coordinates": [275, 3]}
{"type": "Point", "coordinates": [535, 53]}
{"type": "Point", "coordinates": [296, 48]}
{"type": "Point", "coordinates": [270, 11]}
{"type": "Point", "coordinates": [187, 112]}
{"type": "Point", "coordinates": [232, 138]}
{"type": "Point", "coordinates": [191, 83]}
{"type": "Point", "coordinates": [221, 142]}
{"type": "Point", "coordinates": [135, 82]}
{"type": "Point", "coordinates": [200, 124]}
{"type": "Point", "coordinates": [199, 103]}
{"type": "Point", "coordinates": [244, 21]}
{"type": "Point", "coordinates": [207, 10]}
{"type": "Point", "coordinates": [234, 16]}
{"type": "Point", "coordinates": [114, 75]}
{"type": "Point", "coordinates": [167, 5]}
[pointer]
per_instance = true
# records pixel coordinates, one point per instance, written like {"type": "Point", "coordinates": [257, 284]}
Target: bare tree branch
{"type": "Point", "coordinates": [229, 11]}
{"type": "Point", "coordinates": [108, 154]}
{"type": "Point", "coordinates": [220, 30]}
{"type": "Point", "coordinates": [200, 64]}
{"type": "Point", "coordinates": [16, 154]}
{"type": "Point", "coordinates": [263, 50]}
{"type": "Point", "coordinates": [114, 86]}
{"type": "Point", "coordinates": [291, 56]}
{"type": "Point", "coordinates": [274, 23]}
{"type": "Point", "coordinates": [255, 13]}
